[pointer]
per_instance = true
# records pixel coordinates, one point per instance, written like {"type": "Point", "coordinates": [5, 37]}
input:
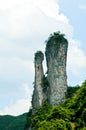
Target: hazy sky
{"type": "Point", "coordinates": [24, 27]}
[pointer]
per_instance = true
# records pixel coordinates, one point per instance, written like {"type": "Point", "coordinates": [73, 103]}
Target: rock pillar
{"type": "Point", "coordinates": [56, 55]}
{"type": "Point", "coordinates": [37, 98]}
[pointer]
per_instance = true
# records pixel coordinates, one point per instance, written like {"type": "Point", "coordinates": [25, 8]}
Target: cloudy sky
{"type": "Point", "coordinates": [24, 27]}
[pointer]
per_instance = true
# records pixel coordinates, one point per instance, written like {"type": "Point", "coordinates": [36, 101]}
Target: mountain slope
{"type": "Point", "coordinates": [71, 115]}
{"type": "Point", "coordinates": [8, 122]}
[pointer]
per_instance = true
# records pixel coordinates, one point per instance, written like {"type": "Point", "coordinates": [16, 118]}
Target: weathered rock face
{"type": "Point", "coordinates": [56, 54]}
{"type": "Point", "coordinates": [52, 88]}
{"type": "Point", "coordinates": [39, 74]}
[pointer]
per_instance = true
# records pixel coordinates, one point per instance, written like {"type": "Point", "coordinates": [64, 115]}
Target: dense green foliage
{"type": "Point", "coordinates": [70, 115]}
{"type": "Point", "coordinates": [48, 118]}
{"type": "Point", "coordinates": [71, 90]}
{"type": "Point", "coordinates": [78, 105]}
{"type": "Point", "coordinates": [13, 122]}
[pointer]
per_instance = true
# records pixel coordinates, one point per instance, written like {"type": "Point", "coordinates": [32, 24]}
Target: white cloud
{"type": "Point", "coordinates": [26, 91]}
{"type": "Point", "coordinates": [51, 9]}
{"type": "Point", "coordinates": [21, 105]}
{"type": "Point", "coordinates": [76, 58]}
{"type": "Point", "coordinates": [24, 18]}
{"type": "Point", "coordinates": [15, 68]}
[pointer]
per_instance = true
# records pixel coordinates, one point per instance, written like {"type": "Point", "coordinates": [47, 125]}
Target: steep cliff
{"type": "Point", "coordinates": [53, 87]}
{"type": "Point", "coordinates": [56, 55]}
{"type": "Point", "coordinates": [39, 74]}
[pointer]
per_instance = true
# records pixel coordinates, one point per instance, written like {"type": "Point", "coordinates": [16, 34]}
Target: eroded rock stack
{"type": "Point", "coordinates": [56, 55]}
{"type": "Point", "coordinates": [39, 74]}
{"type": "Point", "coordinates": [55, 88]}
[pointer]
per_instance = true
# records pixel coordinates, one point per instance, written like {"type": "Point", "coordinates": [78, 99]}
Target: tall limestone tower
{"type": "Point", "coordinates": [53, 87]}
{"type": "Point", "coordinates": [39, 74]}
{"type": "Point", "coordinates": [56, 55]}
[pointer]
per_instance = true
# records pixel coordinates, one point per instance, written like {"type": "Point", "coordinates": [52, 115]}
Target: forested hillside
{"type": "Point", "coordinates": [8, 122]}
{"type": "Point", "coordinates": [71, 115]}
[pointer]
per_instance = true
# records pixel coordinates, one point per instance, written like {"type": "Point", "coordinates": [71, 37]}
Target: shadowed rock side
{"type": "Point", "coordinates": [52, 88]}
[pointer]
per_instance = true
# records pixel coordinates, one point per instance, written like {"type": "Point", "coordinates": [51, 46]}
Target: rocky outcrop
{"type": "Point", "coordinates": [52, 88]}
{"type": "Point", "coordinates": [39, 74]}
{"type": "Point", "coordinates": [56, 55]}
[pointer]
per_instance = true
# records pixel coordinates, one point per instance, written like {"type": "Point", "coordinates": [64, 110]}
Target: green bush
{"type": "Point", "coordinates": [57, 124]}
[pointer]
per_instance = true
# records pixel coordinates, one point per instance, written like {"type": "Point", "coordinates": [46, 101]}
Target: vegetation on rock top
{"type": "Point", "coordinates": [57, 36]}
